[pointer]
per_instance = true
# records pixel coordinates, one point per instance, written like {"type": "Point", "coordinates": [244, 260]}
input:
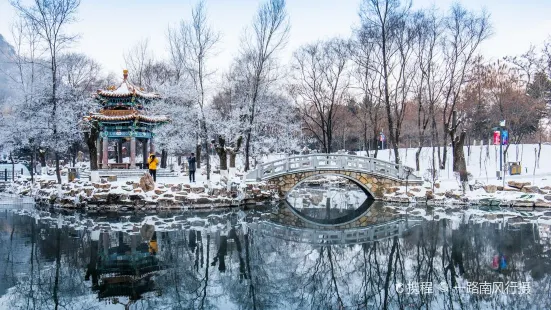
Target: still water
{"type": "Point", "coordinates": [270, 258]}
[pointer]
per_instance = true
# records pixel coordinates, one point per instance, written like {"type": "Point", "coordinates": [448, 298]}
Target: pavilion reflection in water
{"type": "Point", "coordinates": [120, 267]}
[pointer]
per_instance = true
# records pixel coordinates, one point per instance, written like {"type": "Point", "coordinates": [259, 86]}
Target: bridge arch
{"type": "Point", "coordinates": [363, 187]}
{"type": "Point", "coordinates": [371, 174]}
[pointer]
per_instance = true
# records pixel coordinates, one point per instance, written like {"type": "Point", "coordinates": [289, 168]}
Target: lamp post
{"type": "Point", "coordinates": [500, 128]}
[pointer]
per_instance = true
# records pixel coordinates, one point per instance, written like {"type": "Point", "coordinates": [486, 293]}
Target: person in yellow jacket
{"type": "Point", "coordinates": [153, 161]}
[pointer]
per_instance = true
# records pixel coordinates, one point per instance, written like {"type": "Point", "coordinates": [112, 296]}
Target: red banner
{"type": "Point", "coordinates": [496, 137]}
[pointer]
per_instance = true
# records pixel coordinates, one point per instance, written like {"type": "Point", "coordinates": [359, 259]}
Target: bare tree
{"type": "Point", "coordinates": [81, 76]}
{"type": "Point", "coordinates": [137, 60]}
{"type": "Point", "coordinates": [429, 83]}
{"type": "Point", "coordinates": [387, 23]}
{"type": "Point", "coordinates": [367, 81]}
{"type": "Point", "coordinates": [49, 20]}
{"type": "Point", "coordinates": [191, 45]}
{"type": "Point", "coordinates": [270, 32]}
{"type": "Point", "coordinates": [321, 87]}
{"type": "Point", "coordinates": [464, 33]}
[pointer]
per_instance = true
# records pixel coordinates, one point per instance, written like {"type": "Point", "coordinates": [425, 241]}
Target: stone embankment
{"type": "Point", "coordinates": [138, 195]}
{"type": "Point", "coordinates": [514, 194]}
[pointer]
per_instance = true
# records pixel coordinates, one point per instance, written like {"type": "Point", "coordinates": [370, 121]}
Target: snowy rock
{"type": "Point", "coordinates": [159, 191]}
{"type": "Point", "coordinates": [429, 195]}
{"type": "Point", "coordinates": [531, 189]}
{"type": "Point", "coordinates": [198, 190]}
{"type": "Point", "coordinates": [518, 185]}
{"type": "Point", "coordinates": [146, 182]}
{"type": "Point", "coordinates": [101, 185]}
{"type": "Point", "coordinates": [176, 188]}
{"type": "Point", "coordinates": [490, 189]}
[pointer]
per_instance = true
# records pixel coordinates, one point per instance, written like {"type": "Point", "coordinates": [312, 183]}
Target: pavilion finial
{"type": "Point", "coordinates": [125, 74]}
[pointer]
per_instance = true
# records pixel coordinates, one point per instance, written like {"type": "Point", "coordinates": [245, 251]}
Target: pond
{"type": "Point", "coordinates": [268, 258]}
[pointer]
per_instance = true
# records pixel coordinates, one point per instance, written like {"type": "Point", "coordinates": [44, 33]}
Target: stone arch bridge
{"type": "Point", "coordinates": [372, 175]}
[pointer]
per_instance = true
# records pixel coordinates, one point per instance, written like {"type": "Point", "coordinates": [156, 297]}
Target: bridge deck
{"type": "Point", "coordinates": [328, 162]}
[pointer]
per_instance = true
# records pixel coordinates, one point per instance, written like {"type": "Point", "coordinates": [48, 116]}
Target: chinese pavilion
{"type": "Point", "coordinates": [123, 119]}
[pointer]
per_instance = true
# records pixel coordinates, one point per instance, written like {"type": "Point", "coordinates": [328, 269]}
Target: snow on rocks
{"type": "Point", "coordinates": [138, 195]}
{"type": "Point", "coordinates": [516, 194]}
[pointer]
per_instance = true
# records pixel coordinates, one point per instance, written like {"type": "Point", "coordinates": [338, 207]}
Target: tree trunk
{"type": "Point", "coordinates": [444, 155]}
{"type": "Point", "coordinates": [222, 153]}
{"type": "Point", "coordinates": [247, 150]}
{"type": "Point", "coordinates": [459, 164]}
{"type": "Point", "coordinates": [198, 155]}
{"type": "Point", "coordinates": [234, 151]}
{"type": "Point", "coordinates": [57, 168]}
{"type": "Point", "coordinates": [164, 157]}
{"type": "Point", "coordinates": [91, 139]}
{"type": "Point", "coordinates": [32, 165]}
{"type": "Point", "coordinates": [417, 155]}
{"type": "Point", "coordinates": [42, 157]}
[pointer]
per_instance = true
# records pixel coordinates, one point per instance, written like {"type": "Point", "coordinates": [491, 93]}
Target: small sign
{"type": "Point", "coordinates": [496, 137]}
{"type": "Point", "coordinates": [505, 137]}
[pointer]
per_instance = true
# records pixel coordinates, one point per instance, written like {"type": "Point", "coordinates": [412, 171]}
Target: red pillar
{"type": "Point", "coordinates": [133, 152]}
{"type": "Point", "coordinates": [105, 158]}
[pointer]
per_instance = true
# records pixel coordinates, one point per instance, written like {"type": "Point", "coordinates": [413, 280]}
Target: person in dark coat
{"type": "Point", "coordinates": [191, 162]}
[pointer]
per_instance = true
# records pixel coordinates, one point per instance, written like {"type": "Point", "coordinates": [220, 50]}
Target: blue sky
{"type": "Point", "coordinates": [109, 27]}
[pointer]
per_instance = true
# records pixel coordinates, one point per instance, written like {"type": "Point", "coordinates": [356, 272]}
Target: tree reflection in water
{"type": "Point", "coordinates": [223, 263]}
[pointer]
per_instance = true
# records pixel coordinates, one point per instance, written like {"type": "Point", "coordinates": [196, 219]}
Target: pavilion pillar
{"type": "Point", "coordinates": [151, 146]}
{"type": "Point", "coordinates": [144, 153]}
{"type": "Point", "coordinates": [119, 150]}
{"type": "Point", "coordinates": [105, 157]}
{"type": "Point", "coordinates": [133, 152]}
{"type": "Point", "coordinates": [98, 150]}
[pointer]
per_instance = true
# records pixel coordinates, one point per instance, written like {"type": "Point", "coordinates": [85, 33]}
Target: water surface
{"type": "Point", "coordinates": [267, 259]}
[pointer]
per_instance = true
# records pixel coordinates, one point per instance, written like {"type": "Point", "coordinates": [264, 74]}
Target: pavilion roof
{"type": "Point", "coordinates": [129, 117]}
{"type": "Point", "coordinates": [127, 89]}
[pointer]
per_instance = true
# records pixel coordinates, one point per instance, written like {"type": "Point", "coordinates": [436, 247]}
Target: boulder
{"type": "Point", "coordinates": [176, 188]}
{"type": "Point", "coordinates": [490, 188]}
{"type": "Point", "coordinates": [429, 195]}
{"type": "Point", "coordinates": [146, 182]}
{"type": "Point", "coordinates": [159, 191]}
{"type": "Point", "coordinates": [518, 185]}
{"type": "Point", "coordinates": [198, 190]}
{"type": "Point", "coordinates": [532, 189]}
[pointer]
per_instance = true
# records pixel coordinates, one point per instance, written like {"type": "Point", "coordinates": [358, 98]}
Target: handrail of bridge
{"type": "Point", "coordinates": [357, 235]}
{"type": "Point", "coordinates": [346, 162]}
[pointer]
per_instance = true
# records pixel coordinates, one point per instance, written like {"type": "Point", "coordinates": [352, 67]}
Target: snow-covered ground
{"type": "Point", "coordinates": [482, 164]}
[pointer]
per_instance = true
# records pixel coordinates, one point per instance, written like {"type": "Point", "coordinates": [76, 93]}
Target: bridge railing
{"type": "Point", "coordinates": [339, 236]}
{"type": "Point", "coordinates": [331, 162]}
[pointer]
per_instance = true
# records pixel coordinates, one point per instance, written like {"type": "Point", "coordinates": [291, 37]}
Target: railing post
{"type": "Point", "coordinates": [6, 175]}
{"type": "Point", "coordinates": [287, 164]}
{"type": "Point", "coordinates": [314, 161]}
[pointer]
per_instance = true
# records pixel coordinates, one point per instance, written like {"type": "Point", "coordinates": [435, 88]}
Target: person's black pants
{"type": "Point", "coordinates": [153, 173]}
{"type": "Point", "coordinates": [192, 175]}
